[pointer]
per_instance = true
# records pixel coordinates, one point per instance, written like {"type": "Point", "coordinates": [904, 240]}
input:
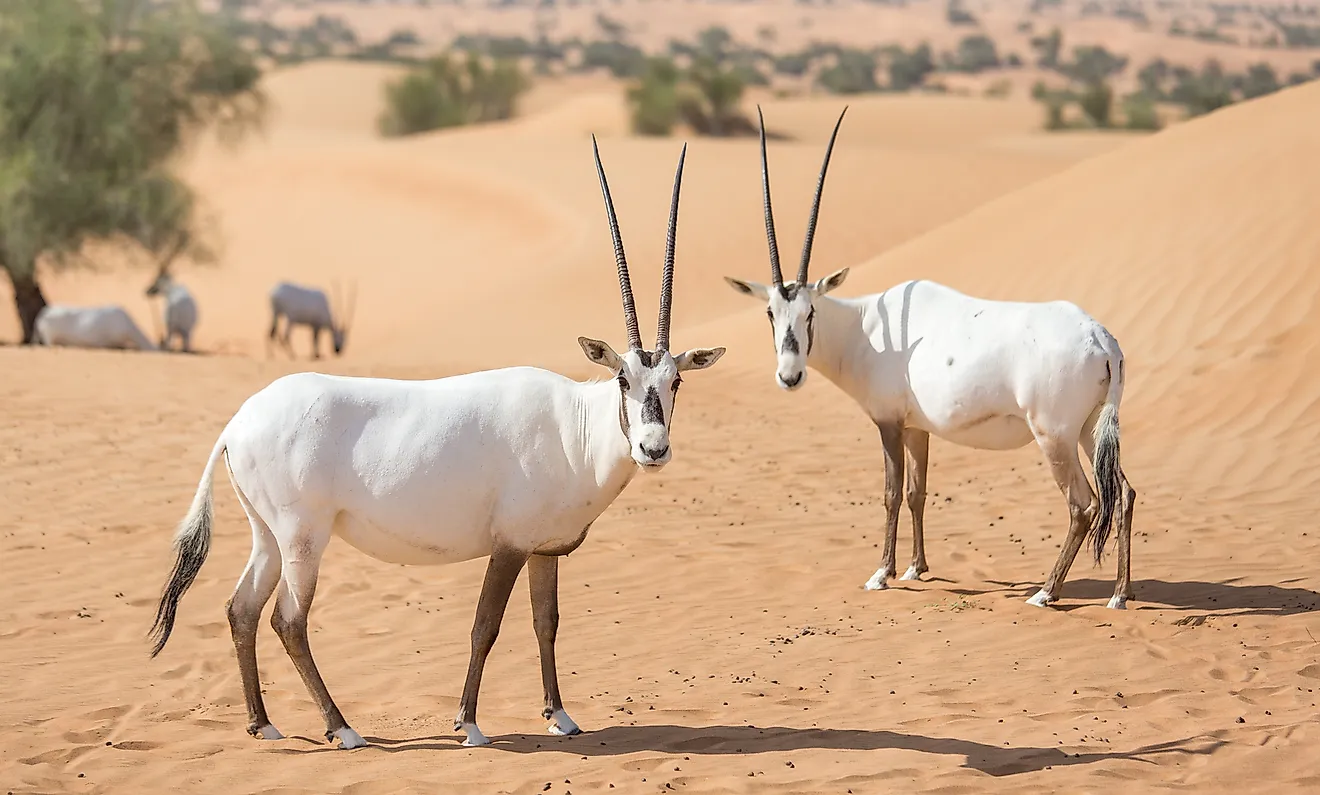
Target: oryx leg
{"type": "Point", "coordinates": [316, 342]}
{"type": "Point", "coordinates": [501, 574]}
{"type": "Point", "coordinates": [302, 551]}
{"type": "Point", "coordinates": [891, 438]}
{"type": "Point", "coordinates": [244, 610]}
{"type": "Point", "coordinates": [1082, 506]}
{"type": "Point", "coordinates": [917, 443]}
{"type": "Point", "coordinates": [543, 583]}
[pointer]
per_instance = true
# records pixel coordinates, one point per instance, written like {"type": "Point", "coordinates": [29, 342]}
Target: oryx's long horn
{"type": "Point", "coordinates": [667, 278]}
{"type": "Point", "coordinates": [776, 276]}
{"type": "Point", "coordinates": [815, 205]}
{"type": "Point", "coordinates": [625, 285]}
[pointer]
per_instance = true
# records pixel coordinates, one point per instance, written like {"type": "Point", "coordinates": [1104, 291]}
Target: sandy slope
{"type": "Point", "coordinates": [714, 635]}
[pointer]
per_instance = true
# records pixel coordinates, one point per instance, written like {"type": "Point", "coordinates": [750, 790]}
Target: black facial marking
{"type": "Point", "coordinates": [623, 405]}
{"type": "Point", "coordinates": [790, 344]}
{"type": "Point", "coordinates": [789, 291]}
{"type": "Point", "coordinates": [646, 357]}
{"type": "Point", "coordinates": [811, 329]}
{"type": "Point", "coordinates": [652, 411]}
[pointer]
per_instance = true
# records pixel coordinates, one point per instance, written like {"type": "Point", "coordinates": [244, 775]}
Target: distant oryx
{"type": "Point", "coordinates": [921, 358]}
{"type": "Point", "coordinates": [308, 306]}
{"type": "Point", "coordinates": [514, 463]}
{"type": "Point", "coordinates": [180, 313]}
{"type": "Point", "coordinates": [90, 327]}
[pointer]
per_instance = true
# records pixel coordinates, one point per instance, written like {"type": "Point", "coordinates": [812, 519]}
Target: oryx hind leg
{"type": "Point", "coordinates": [917, 443]}
{"type": "Point", "coordinates": [891, 438]}
{"type": "Point", "coordinates": [302, 546]}
{"type": "Point", "coordinates": [1060, 451]}
{"type": "Point", "coordinates": [244, 608]}
{"type": "Point", "coordinates": [1127, 505]}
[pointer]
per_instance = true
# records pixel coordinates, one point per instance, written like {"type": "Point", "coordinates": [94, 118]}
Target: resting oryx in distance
{"type": "Point", "coordinates": [308, 306]}
{"type": "Point", "coordinates": [514, 463]}
{"type": "Point", "coordinates": [180, 311]}
{"type": "Point", "coordinates": [922, 358]}
{"type": "Point", "coordinates": [89, 327]}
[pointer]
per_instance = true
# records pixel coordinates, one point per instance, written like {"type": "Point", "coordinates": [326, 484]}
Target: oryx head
{"type": "Point", "coordinates": [791, 307]}
{"type": "Point", "coordinates": [341, 315]}
{"type": "Point", "coordinates": [162, 284]}
{"type": "Point", "coordinates": [648, 380]}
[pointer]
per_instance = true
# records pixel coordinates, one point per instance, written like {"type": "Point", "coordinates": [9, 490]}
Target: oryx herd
{"type": "Point", "coordinates": [112, 326]}
{"type": "Point", "coordinates": [515, 464]}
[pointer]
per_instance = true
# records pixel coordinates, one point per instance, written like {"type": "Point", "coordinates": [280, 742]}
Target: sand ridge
{"type": "Point", "coordinates": [714, 636]}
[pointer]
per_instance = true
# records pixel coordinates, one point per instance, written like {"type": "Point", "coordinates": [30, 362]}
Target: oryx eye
{"type": "Point", "coordinates": [623, 383]}
{"type": "Point", "coordinates": [770, 316]}
{"type": "Point", "coordinates": [677, 381]}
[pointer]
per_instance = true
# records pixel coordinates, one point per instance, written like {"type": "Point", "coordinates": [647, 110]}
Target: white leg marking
{"type": "Point", "coordinates": [1041, 599]}
{"type": "Point", "coordinates": [1117, 603]}
{"type": "Point", "coordinates": [269, 732]}
{"type": "Point", "coordinates": [474, 736]}
{"type": "Point", "coordinates": [877, 581]}
{"type": "Point", "coordinates": [563, 725]}
{"type": "Point", "coordinates": [911, 574]}
{"type": "Point", "coordinates": [350, 738]}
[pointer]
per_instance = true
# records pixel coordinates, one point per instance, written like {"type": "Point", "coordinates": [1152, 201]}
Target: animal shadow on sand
{"type": "Point", "coordinates": [1214, 598]}
{"type": "Point", "coordinates": [668, 739]}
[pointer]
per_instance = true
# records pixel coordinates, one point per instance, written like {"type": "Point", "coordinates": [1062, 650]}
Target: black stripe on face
{"type": "Point", "coordinates": [623, 405]}
{"type": "Point", "coordinates": [811, 329]}
{"type": "Point", "coordinates": [790, 344]}
{"type": "Point", "coordinates": [652, 411]}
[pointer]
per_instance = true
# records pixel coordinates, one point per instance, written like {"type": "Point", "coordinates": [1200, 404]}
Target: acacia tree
{"type": "Point", "coordinates": [97, 100]}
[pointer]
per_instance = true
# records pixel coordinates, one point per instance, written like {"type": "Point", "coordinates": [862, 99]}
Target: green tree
{"type": "Point", "coordinates": [852, 73]}
{"type": "Point", "coordinates": [97, 98]}
{"type": "Point", "coordinates": [907, 70]}
{"type": "Point", "coordinates": [448, 91]}
{"type": "Point", "coordinates": [1096, 101]}
{"type": "Point", "coordinates": [654, 98]}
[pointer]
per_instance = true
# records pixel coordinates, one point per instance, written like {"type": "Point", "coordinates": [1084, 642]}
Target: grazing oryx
{"type": "Point", "coordinates": [180, 311]}
{"type": "Point", "coordinates": [307, 306]}
{"type": "Point", "coordinates": [514, 463]}
{"type": "Point", "coordinates": [921, 358]}
{"type": "Point", "coordinates": [90, 327]}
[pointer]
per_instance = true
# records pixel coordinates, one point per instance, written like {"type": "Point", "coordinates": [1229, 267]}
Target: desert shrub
{"type": "Point", "coordinates": [907, 70]}
{"type": "Point", "coordinates": [852, 73]}
{"type": "Point", "coordinates": [447, 91]}
{"type": "Point", "coordinates": [1139, 113]}
{"type": "Point", "coordinates": [653, 100]}
{"type": "Point", "coordinates": [999, 89]}
{"type": "Point", "coordinates": [975, 54]}
{"type": "Point", "coordinates": [1093, 64]}
{"type": "Point", "coordinates": [1096, 101]}
{"type": "Point", "coordinates": [621, 59]}
{"type": "Point", "coordinates": [1259, 80]}
{"type": "Point", "coordinates": [794, 64]}
{"type": "Point", "coordinates": [1203, 92]}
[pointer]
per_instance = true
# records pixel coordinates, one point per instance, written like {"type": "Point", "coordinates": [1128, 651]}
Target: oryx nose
{"type": "Point", "coordinates": [654, 455]}
{"type": "Point", "coordinates": [792, 380]}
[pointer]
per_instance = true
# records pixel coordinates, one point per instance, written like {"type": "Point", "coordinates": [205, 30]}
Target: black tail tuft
{"type": "Point", "coordinates": [191, 546]}
{"type": "Point", "coordinates": [1108, 477]}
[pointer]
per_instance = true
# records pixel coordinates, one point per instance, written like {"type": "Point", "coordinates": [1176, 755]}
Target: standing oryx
{"type": "Point", "coordinates": [921, 358]}
{"type": "Point", "coordinates": [180, 310]}
{"type": "Point", "coordinates": [514, 463]}
{"type": "Point", "coordinates": [308, 306]}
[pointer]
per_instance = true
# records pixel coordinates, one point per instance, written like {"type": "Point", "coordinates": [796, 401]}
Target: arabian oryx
{"type": "Point", "coordinates": [922, 358]}
{"type": "Point", "coordinates": [308, 306]}
{"type": "Point", "coordinates": [180, 313]}
{"type": "Point", "coordinates": [514, 463]}
{"type": "Point", "coordinates": [89, 327]}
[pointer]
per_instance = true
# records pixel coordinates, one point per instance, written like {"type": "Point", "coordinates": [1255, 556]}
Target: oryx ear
{"type": "Point", "coordinates": [601, 353]}
{"type": "Point", "coordinates": [830, 282]}
{"type": "Point", "coordinates": [698, 358]}
{"type": "Point", "coordinates": [749, 288]}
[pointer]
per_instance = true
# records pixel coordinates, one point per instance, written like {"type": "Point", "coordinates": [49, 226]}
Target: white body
{"type": "Point", "coordinates": [975, 372]}
{"type": "Point", "coordinates": [90, 327]}
{"type": "Point", "coordinates": [304, 306]}
{"type": "Point", "coordinates": [431, 472]}
{"type": "Point", "coordinates": [180, 311]}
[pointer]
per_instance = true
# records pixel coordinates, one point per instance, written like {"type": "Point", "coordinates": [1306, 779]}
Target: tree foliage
{"type": "Point", "coordinates": [448, 91]}
{"type": "Point", "coordinates": [97, 98]}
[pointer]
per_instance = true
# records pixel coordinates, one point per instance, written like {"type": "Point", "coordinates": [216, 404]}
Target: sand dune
{"type": "Point", "coordinates": [714, 635]}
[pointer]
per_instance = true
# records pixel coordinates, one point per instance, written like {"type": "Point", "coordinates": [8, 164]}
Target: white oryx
{"type": "Point", "coordinates": [514, 463]}
{"type": "Point", "coordinates": [922, 358]}
{"type": "Point", "coordinates": [180, 313]}
{"type": "Point", "coordinates": [308, 306]}
{"type": "Point", "coordinates": [89, 327]}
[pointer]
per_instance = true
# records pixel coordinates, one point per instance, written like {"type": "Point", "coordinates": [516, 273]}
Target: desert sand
{"type": "Point", "coordinates": [714, 633]}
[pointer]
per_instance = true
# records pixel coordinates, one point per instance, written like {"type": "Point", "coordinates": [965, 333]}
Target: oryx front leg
{"type": "Point", "coordinates": [501, 574]}
{"type": "Point", "coordinates": [543, 583]}
{"type": "Point", "coordinates": [302, 560]}
{"type": "Point", "coordinates": [1068, 473]}
{"type": "Point", "coordinates": [917, 443]}
{"type": "Point", "coordinates": [891, 437]}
